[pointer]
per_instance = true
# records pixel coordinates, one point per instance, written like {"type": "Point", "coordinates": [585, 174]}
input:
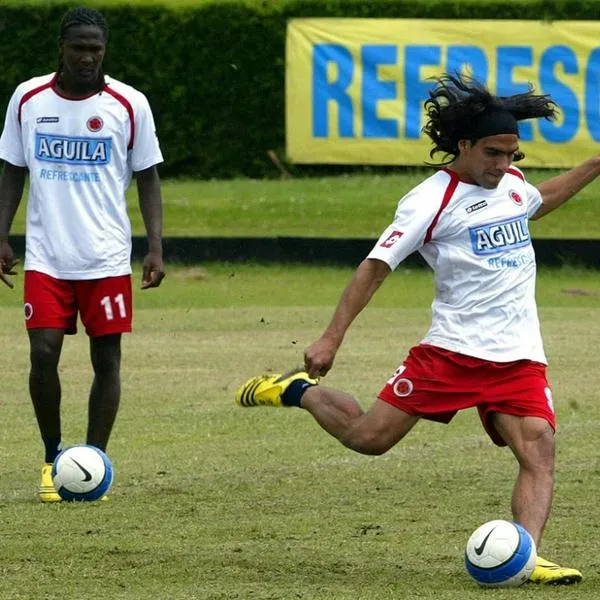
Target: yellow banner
{"type": "Point", "coordinates": [355, 88]}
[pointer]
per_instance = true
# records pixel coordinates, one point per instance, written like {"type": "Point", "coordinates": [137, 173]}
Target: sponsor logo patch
{"type": "Point", "coordinates": [72, 150]}
{"type": "Point", "coordinates": [494, 238]}
{"type": "Point", "coordinates": [47, 120]}
{"type": "Point", "coordinates": [478, 206]}
{"type": "Point", "coordinates": [391, 239]}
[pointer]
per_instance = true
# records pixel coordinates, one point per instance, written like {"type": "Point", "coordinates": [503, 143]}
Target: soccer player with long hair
{"type": "Point", "coordinates": [469, 221]}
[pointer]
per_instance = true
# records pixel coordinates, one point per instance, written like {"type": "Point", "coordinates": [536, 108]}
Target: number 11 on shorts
{"type": "Point", "coordinates": [118, 301]}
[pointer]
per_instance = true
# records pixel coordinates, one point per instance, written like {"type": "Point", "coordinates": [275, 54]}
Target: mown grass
{"type": "Point", "coordinates": [191, 3]}
{"type": "Point", "coordinates": [215, 502]}
{"type": "Point", "coordinates": [352, 206]}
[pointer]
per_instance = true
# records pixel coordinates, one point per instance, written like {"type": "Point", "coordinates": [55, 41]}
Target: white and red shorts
{"type": "Point", "coordinates": [104, 305]}
{"type": "Point", "coordinates": [435, 384]}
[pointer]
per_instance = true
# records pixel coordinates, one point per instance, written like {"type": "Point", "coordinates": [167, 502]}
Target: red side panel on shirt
{"type": "Point", "coordinates": [516, 174]}
{"type": "Point", "coordinates": [31, 93]}
{"type": "Point", "coordinates": [129, 109]}
{"type": "Point", "coordinates": [450, 189]}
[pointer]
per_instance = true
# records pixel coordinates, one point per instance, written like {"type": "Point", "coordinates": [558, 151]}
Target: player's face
{"type": "Point", "coordinates": [83, 50]}
{"type": "Point", "coordinates": [488, 159]}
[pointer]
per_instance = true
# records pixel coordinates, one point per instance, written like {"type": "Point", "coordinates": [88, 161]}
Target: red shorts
{"type": "Point", "coordinates": [105, 305]}
{"type": "Point", "coordinates": [435, 384]}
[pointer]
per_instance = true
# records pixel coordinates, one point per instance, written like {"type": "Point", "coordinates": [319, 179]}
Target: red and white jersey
{"type": "Point", "coordinates": [477, 242]}
{"type": "Point", "coordinates": [80, 155]}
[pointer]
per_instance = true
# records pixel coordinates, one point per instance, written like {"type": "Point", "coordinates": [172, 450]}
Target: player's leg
{"type": "Point", "coordinates": [105, 395]}
{"type": "Point", "coordinates": [44, 386]}
{"type": "Point", "coordinates": [106, 311]}
{"type": "Point", "coordinates": [430, 383]}
{"type": "Point", "coordinates": [50, 312]}
{"type": "Point", "coordinates": [372, 432]}
{"type": "Point", "coordinates": [338, 413]}
{"type": "Point", "coordinates": [531, 440]}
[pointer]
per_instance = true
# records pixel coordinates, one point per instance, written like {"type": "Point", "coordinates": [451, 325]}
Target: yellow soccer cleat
{"type": "Point", "coordinates": [47, 491]}
{"type": "Point", "coordinates": [266, 390]}
{"type": "Point", "coordinates": [553, 574]}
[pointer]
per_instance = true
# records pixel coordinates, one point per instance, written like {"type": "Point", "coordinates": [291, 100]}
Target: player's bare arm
{"type": "Point", "coordinates": [559, 189]}
{"type": "Point", "coordinates": [367, 279]}
{"type": "Point", "coordinates": [148, 185]}
{"type": "Point", "coordinates": [12, 182]}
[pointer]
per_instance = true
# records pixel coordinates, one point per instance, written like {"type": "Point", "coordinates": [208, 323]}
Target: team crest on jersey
{"type": "Point", "coordinates": [391, 239]}
{"type": "Point", "coordinates": [72, 150]}
{"type": "Point", "coordinates": [494, 238]}
{"type": "Point", "coordinates": [95, 124]}
{"type": "Point", "coordinates": [515, 197]}
{"type": "Point", "coordinates": [403, 387]}
{"type": "Point", "coordinates": [28, 310]}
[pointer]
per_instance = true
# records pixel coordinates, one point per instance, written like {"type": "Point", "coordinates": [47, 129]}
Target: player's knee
{"type": "Point", "coordinates": [106, 356]}
{"type": "Point", "coordinates": [44, 357]}
{"type": "Point", "coordinates": [538, 447]}
{"type": "Point", "coordinates": [106, 365]}
{"type": "Point", "coordinates": [365, 442]}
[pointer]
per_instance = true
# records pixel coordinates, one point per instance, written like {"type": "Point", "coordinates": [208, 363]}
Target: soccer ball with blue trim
{"type": "Point", "coordinates": [82, 473]}
{"type": "Point", "coordinates": [500, 554]}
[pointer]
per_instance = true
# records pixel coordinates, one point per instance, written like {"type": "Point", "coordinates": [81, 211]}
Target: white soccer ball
{"type": "Point", "coordinates": [82, 473]}
{"type": "Point", "coordinates": [501, 554]}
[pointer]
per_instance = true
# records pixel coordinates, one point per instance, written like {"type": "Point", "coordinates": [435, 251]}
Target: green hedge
{"type": "Point", "coordinates": [214, 73]}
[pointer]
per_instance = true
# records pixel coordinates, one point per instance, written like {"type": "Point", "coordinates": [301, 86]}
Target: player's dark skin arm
{"type": "Point", "coordinates": [148, 185]}
{"type": "Point", "coordinates": [12, 182]}
{"type": "Point", "coordinates": [559, 189]}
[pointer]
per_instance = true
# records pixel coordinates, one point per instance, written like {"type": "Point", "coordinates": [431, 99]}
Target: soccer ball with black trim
{"type": "Point", "coordinates": [500, 554]}
{"type": "Point", "coordinates": [82, 473]}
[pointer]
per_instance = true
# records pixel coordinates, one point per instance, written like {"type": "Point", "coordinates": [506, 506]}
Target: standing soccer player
{"type": "Point", "coordinates": [484, 348]}
{"type": "Point", "coordinates": [80, 135]}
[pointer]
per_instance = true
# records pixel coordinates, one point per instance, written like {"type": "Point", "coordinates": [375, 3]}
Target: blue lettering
{"type": "Point", "coordinates": [72, 150]}
{"type": "Point", "coordinates": [373, 90]}
{"type": "Point", "coordinates": [416, 89]}
{"type": "Point", "coordinates": [471, 58]}
{"type": "Point", "coordinates": [495, 238]}
{"type": "Point", "coordinates": [324, 91]}
{"type": "Point", "coordinates": [564, 97]}
{"type": "Point", "coordinates": [507, 58]}
{"type": "Point", "coordinates": [77, 176]}
{"type": "Point", "coordinates": [592, 94]}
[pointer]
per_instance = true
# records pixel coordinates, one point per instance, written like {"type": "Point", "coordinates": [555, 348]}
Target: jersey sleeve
{"type": "Point", "coordinates": [146, 150]}
{"type": "Point", "coordinates": [11, 142]}
{"type": "Point", "coordinates": [407, 232]}
{"type": "Point", "coordinates": [534, 199]}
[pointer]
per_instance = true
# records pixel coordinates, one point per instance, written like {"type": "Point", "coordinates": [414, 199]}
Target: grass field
{"type": "Point", "coordinates": [191, 3]}
{"type": "Point", "coordinates": [214, 502]}
{"type": "Point", "coordinates": [357, 206]}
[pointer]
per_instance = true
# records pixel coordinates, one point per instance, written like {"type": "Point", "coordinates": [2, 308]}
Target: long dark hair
{"type": "Point", "coordinates": [457, 101]}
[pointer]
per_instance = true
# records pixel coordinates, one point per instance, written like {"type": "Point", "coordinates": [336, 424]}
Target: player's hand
{"type": "Point", "coordinates": [153, 271]}
{"type": "Point", "coordinates": [319, 357]}
{"type": "Point", "coordinates": [7, 264]}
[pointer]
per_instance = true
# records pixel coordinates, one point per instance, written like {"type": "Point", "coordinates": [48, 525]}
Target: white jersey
{"type": "Point", "coordinates": [80, 155]}
{"type": "Point", "coordinates": [477, 242]}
